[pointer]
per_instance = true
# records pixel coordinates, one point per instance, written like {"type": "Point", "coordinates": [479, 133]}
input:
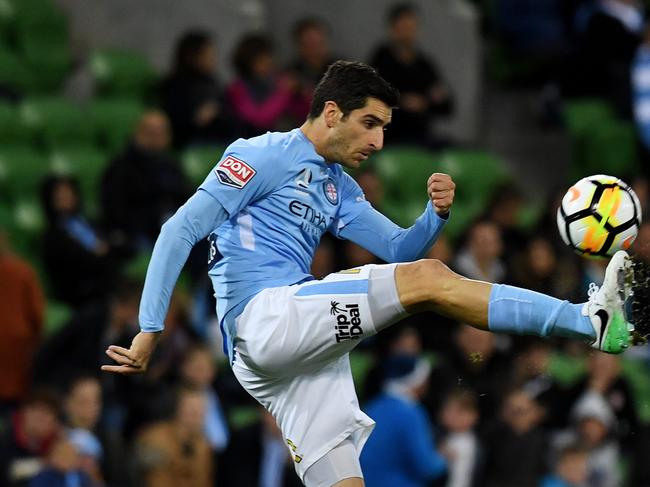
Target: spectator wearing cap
{"type": "Point", "coordinates": [401, 450]}
{"type": "Point", "coordinates": [593, 426]}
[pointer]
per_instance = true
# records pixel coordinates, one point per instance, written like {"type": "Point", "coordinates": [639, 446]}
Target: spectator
{"type": "Point", "coordinates": [175, 452]}
{"type": "Point", "coordinates": [258, 456]}
{"type": "Point", "coordinates": [63, 468]}
{"type": "Point", "coordinates": [144, 186]}
{"type": "Point", "coordinates": [397, 412]}
{"type": "Point", "coordinates": [592, 429]}
{"type": "Point", "coordinates": [516, 445]}
{"type": "Point", "coordinates": [262, 98]}
{"type": "Point", "coordinates": [539, 268]}
{"type": "Point", "coordinates": [84, 339]}
{"type": "Point", "coordinates": [604, 377]}
{"type": "Point", "coordinates": [570, 470]}
{"type": "Point", "coordinates": [192, 95]}
{"type": "Point", "coordinates": [77, 258]}
{"type": "Point", "coordinates": [606, 49]}
{"type": "Point", "coordinates": [459, 417]}
{"type": "Point", "coordinates": [481, 257]}
{"type": "Point", "coordinates": [21, 315]}
{"type": "Point", "coordinates": [424, 94]}
{"type": "Point", "coordinates": [641, 246]}
{"type": "Point", "coordinates": [530, 374]}
{"type": "Point", "coordinates": [472, 361]}
{"type": "Point", "coordinates": [199, 371]}
{"type": "Point", "coordinates": [100, 451]}
{"type": "Point", "coordinates": [313, 55]}
{"type": "Point", "coordinates": [28, 438]}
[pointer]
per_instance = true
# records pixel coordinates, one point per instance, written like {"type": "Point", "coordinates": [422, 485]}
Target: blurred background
{"type": "Point", "coordinates": [112, 112]}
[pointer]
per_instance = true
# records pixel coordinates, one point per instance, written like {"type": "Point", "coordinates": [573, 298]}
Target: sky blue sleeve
{"type": "Point", "coordinates": [390, 242]}
{"type": "Point", "coordinates": [246, 172]}
{"type": "Point", "coordinates": [193, 221]}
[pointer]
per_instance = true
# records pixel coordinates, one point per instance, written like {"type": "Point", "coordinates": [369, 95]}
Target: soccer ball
{"type": "Point", "coordinates": [599, 215]}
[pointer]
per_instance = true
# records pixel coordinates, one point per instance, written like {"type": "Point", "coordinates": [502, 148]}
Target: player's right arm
{"type": "Point", "coordinates": [246, 172]}
{"type": "Point", "coordinates": [193, 221]}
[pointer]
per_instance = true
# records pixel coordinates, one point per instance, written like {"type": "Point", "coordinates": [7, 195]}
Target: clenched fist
{"type": "Point", "coordinates": [441, 190]}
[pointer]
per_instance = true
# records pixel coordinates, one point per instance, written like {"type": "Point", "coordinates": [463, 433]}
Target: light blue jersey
{"type": "Point", "coordinates": [264, 208]}
{"type": "Point", "coordinates": [281, 197]}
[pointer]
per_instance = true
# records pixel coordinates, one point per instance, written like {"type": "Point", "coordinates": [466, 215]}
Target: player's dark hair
{"type": "Point", "coordinates": [399, 10]}
{"type": "Point", "coordinates": [349, 84]}
{"type": "Point", "coordinates": [249, 48]}
{"type": "Point", "coordinates": [307, 23]}
{"type": "Point", "coordinates": [187, 49]}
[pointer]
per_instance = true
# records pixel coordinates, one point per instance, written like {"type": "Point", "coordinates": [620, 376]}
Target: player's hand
{"type": "Point", "coordinates": [135, 359]}
{"type": "Point", "coordinates": [441, 190]}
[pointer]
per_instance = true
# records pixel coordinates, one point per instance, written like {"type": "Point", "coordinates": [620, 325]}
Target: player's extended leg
{"type": "Point", "coordinates": [430, 285]}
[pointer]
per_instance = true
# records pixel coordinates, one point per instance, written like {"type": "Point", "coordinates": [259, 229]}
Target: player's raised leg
{"type": "Point", "coordinates": [430, 285]}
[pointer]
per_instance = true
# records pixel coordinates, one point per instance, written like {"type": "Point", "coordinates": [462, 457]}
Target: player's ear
{"type": "Point", "coordinates": [331, 113]}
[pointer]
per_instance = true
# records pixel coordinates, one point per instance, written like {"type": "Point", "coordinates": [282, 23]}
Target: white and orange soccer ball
{"type": "Point", "coordinates": [599, 215]}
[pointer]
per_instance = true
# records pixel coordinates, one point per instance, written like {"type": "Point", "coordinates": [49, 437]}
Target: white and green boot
{"type": "Point", "coordinates": [606, 306]}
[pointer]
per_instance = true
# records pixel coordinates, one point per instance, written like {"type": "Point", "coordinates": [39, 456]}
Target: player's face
{"type": "Point", "coordinates": [361, 133]}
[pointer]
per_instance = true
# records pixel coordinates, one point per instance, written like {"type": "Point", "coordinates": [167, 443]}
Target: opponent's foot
{"type": "Point", "coordinates": [605, 307]}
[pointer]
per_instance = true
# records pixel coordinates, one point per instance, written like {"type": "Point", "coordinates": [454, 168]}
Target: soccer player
{"type": "Point", "coordinates": [264, 208]}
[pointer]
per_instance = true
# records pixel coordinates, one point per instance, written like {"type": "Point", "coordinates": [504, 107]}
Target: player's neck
{"type": "Point", "coordinates": [316, 133]}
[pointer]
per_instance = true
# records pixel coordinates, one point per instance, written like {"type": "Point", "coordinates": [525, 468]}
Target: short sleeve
{"type": "Point", "coordinates": [353, 203]}
{"type": "Point", "coordinates": [244, 174]}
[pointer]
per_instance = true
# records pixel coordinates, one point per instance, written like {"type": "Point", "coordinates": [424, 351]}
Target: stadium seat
{"type": "Point", "coordinates": [581, 115]}
{"type": "Point", "coordinates": [122, 73]}
{"type": "Point", "coordinates": [24, 170]}
{"type": "Point", "coordinates": [609, 148]}
{"type": "Point", "coordinates": [13, 71]}
{"type": "Point", "coordinates": [50, 62]}
{"type": "Point", "coordinates": [476, 173]}
{"type": "Point", "coordinates": [12, 130]}
{"type": "Point", "coordinates": [57, 315]}
{"type": "Point", "coordinates": [198, 162]}
{"type": "Point", "coordinates": [114, 120]}
{"type": "Point", "coordinates": [58, 121]}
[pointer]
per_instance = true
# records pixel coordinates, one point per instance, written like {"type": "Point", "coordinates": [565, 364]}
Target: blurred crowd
{"type": "Point", "coordinates": [454, 406]}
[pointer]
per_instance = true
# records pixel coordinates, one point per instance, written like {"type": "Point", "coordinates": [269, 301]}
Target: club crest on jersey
{"type": "Point", "coordinates": [234, 172]}
{"type": "Point", "coordinates": [331, 193]}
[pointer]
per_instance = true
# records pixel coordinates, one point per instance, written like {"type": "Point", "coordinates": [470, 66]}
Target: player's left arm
{"type": "Point", "coordinates": [360, 223]}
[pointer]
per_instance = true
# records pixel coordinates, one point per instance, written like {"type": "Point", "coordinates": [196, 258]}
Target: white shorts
{"type": "Point", "coordinates": [291, 354]}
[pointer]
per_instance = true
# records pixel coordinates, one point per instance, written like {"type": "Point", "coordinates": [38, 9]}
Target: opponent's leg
{"type": "Point", "coordinates": [430, 285]}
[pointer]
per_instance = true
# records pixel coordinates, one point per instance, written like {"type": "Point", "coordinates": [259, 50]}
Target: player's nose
{"type": "Point", "coordinates": [377, 141]}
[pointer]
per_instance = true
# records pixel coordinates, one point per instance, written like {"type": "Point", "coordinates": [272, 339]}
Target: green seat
{"type": "Point", "coordinates": [57, 315]}
{"type": "Point", "coordinates": [114, 120]}
{"type": "Point", "coordinates": [581, 115]}
{"type": "Point", "coordinates": [14, 72]}
{"type": "Point", "coordinates": [39, 19]}
{"type": "Point", "coordinates": [50, 62]}
{"type": "Point", "coordinates": [60, 122]}
{"type": "Point", "coordinates": [122, 73]}
{"type": "Point", "coordinates": [476, 173]}
{"type": "Point", "coordinates": [609, 148]}
{"type": "Point", "coordinates": [12, 129]}
{"type": "Point", "coordinates": [198, 161]}
{"type": "Point", "coordinates": [88, 165]}
{"type": "Point", "coordinates": [24, 170]}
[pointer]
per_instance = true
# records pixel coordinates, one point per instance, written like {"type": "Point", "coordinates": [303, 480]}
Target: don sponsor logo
{"type": "Point", "coordinates": [348, 321]}
{"type": "Point", "coordinates": [234, 172]}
